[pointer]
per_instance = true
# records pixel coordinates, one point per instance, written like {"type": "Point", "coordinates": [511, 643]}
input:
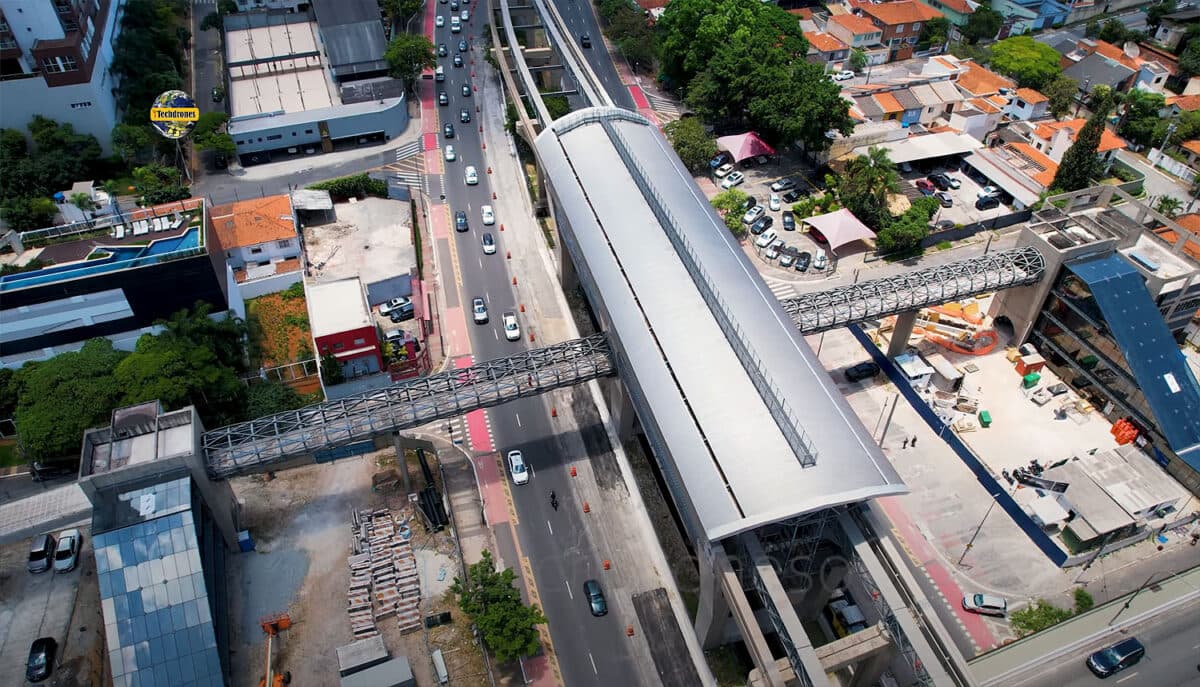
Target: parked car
{"type": "Point", "coordinates": [517, 468]}
{"type": "Point", "coordinates": [512, 330]}
{"type": "Point", "coordinates": [471, 175]}
{"type": "Point", "coordinates": [943, 225]}
{"type": "Point", "coordinates": [451, 156]}
{"type": "Point", "coordinates": [748, 203]}
{"type": "Point", "coordinates": [393, 305]}
{"type": "Point", "coordinates": [448, 130]}
{"type": "Point", "coordinates": [66, 554]}
{"type": "Point", "coordinates": [722, 171]}
{"type": "Point", "coordinates": [753, 214]}
{"type": "Point", "coordinates": [985, 604]}
{"type": "Point", "coordinates": [861, 371]}
{"type": "Point", "coordinates": [940, 181]}
{"type": "Point", "coordinates": [787, 258]}
{"type": "Point", "coordinates": [925, 187]}
{"type": "Point", "coordinates": [803, 261]}
{"type": "Point", "coordinates": [464, 116]}
{"type": "Point", "coordinates": [789, 221]}
{"type": "Point", "coordinates": [816, 235]}
{"type": "Point", "coordinates": [489, 243]}
{"type": "Point", "coordinates": [443, 99]}
{"type": "Point", "coordinates": [41, 659]}
{"type": "Point", "coordinates": [945, 199]}
{"type": "Point", "coordinates": [721, 158]}
{"type": "Point", "coordinates": [439, 74]}
{"type": "Point", "coordinates": [783, 185]}
{"type": "Point", "coordinates": [1113, 659]}
{"type": "Point", "coordinates": [906, 167]}
{"type": "Point", "coordinates": [595, 598]}
{"type": "Point", "coordinates": [987, 203]}
{"type": "Point", "coordinates": [952, 181]}
{"type": "Point", "coordinates": [401, 314]}
{"type": "Point", "coordinates": [455, 24]}
{"type": "Point", "coordinates": [732, 180]}
{"type": "Point", "coordinates": [464, 15]}
{"type": "Point", "coordinates": [844, 75]}
{"type": "Point", "coordinates": [989, 192]}
{"type": "Point", "coordinates": [762, 224]}
{"type": "Point", "coordinates": [218, 94]}
{"type": "Point", "coordinates": [766, 239]}
{"type": "Point", "coordinates": [41, 553]}
{"type": "Point", "coordinates": [820, 260]}
{"type": "Point", "coordinates": [489, 215]}
{"type": "Point", "coordinates": [773, 203]}
{"type": "Point", "coordinates": [773, 249]}
{"type": "Point", "coordinates": [479, 310]}
{"type": "Point", "coordinates": [460, 221]}
{"type": "Point", "coordinates": [792, 196]}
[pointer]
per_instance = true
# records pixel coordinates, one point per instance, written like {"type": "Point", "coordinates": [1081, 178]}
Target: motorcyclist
{"type": "Point", "coordinates": [553, 500]}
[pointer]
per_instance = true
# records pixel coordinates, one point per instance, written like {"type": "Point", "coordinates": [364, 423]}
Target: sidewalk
{"type": "Point", "coordinates": [43, 511]}
{"type": "Point", "coordinates": [998, 666]}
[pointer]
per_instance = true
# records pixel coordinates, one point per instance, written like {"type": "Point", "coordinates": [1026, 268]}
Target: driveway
{"type": "Point", "coordinates": [1158, 183]}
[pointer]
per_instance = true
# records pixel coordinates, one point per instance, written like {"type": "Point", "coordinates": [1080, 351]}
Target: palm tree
{"type": "Point", "coordinates": [874, 173]}
{"type": "Point", "coordinates": [1169, 206]}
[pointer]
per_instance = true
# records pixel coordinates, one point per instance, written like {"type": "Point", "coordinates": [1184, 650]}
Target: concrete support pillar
{"type": "Point", "coordinates": [568, 276]}
{"type": "Point", "coordinates": [828, 576]}
{"type": "Point", "coordinates": [867, 673]}
{"type": "Point", "coordinates": [901, 332]}
{"type": "Point", "coordinates": [620, 408]}
{"type": "Point", "coordinates": [713, 611]}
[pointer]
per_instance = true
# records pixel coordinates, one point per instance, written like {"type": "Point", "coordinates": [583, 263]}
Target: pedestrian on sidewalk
{"type": "Point", "coordinates": [914, 441]}
{"type": "Point", "coordinates": [905, 445]}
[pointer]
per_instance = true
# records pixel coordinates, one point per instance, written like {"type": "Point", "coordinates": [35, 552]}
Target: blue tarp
{"type": "Point", "coordinates": [1153, 357]}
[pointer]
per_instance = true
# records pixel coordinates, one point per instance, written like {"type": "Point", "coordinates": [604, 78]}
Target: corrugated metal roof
{"type": "Point", "coordinates": [727, 451]}
{"type": "Point", "coordinates": [907, 100]}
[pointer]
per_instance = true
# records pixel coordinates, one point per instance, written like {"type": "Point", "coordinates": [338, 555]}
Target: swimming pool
{"type": "Point", "coordinates": [117, 258]}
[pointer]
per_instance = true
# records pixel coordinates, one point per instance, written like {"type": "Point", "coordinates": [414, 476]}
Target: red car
{"type": "Point", "coordinates": [925, 186]}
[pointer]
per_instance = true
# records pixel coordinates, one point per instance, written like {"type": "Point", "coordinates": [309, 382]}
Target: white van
{"type": "Point", "coordinates": [455, 25]}
{"type": "Point", "coordinates": [439, 74]}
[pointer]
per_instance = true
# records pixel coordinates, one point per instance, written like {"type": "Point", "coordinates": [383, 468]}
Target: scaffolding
{"type": "Point", "coordinates": [256, 445]}
{"type": "Point", "coordinates": [907, 291]}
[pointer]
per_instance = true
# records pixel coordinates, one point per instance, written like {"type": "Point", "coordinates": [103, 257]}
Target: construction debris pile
{"type": "Point", "coordinates": [383, 574]}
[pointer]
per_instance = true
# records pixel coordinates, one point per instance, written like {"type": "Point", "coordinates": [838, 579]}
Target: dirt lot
{"type": "Point", "coordinates": [300, 522]}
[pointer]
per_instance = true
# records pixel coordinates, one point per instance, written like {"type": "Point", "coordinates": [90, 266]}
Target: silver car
{"type": "Point", "coordinates": [66, 555]}
{"type": "Point", "coordinates": [985, 604]}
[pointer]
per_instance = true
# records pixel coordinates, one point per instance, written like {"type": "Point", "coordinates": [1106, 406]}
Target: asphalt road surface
{"type": "Point", "coordinates": [1172, 643]}
{"type": "Point", "coordinates": [580, 19]}
{"type": "Point", "coordinates": [591, 651]}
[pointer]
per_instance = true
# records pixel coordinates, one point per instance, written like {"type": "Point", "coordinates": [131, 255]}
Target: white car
{"type": "Point", "coordinates": [953, 182]}
{"type": "Point", "coordinates": [471, 176]}
{"type": "Point", "coordinates": [512, 330]}
{"type": "Point", "coordinates": [517, 468]}
{"type": "Point", "coordinates": [733, 180]}
{"type": "Point", "coordinates": [820, 260]}
{"type": "Point", "coordinates": [394, 304]}
{"type": "Point", "coordinates": [489, 243]}
{"type": "Point", "coordinates": [774, 202]}
{"type": "Point", "coordinates": [439, 21]}
{"type": "Point", "coordinates": [753, 214]}
{"type": "Point", "coordinates": [988, 191]}
{"type": "Point", "coordinates": [66, 554]}
{"type": "Point", "coordinates": [844, 75]}
{"type": "Point", "coordinates": [465, 15]}
{"type": "Point", "coordinates": [773, 249]}
{"type": "Point", "coordinates": [767, 238]}
{"type": "Point", "coordinates": [455, 26]}
{"type": "Point", "coordinates": [489, 217]}
{"type": "Point", "coordinates": [479, 308]}
{"type": "Point", "coordinates": [451, 156]}
{"type": "Point", "coordinates": [723, 170]}
{"type": "Point", "coordinates": [985, 604]}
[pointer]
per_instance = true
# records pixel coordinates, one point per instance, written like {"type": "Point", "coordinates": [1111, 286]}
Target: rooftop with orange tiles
{"type": "Point", "coordinates": [978, 80]}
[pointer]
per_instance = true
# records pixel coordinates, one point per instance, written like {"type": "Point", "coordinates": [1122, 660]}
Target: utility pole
{"type": "Point", "coordinates": [1129, 601]}
{"type": "Point", "coordinates": [977, 531]}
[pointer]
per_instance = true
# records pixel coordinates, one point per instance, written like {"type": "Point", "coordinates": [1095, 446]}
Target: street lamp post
{"type": "Point", "coordinates": [977, 531]}
{"type": "Point", "coordinates": [1086, 84]}
{"type": "Point", "coordinates": [1129, 601]}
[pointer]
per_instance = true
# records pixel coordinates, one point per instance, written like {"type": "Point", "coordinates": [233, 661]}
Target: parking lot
{"type": "Point", "coordinates": [963, 211]}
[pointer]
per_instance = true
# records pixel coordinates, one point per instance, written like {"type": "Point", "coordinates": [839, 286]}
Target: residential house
{"type": "Point", "coordinates": [1023, 16]}
{"type": "Point", "coordinates": [1180, 103]}
{"type": "Point", "coordinates": [1175, 25]}
{"type": "Point", "coordinates": [1055, 138]}
{"type": "Point", "coordinates": [342, 327]}
{"type": "Point", "coordinates": [1191, 151]}
{"type": "Point", "coordinates": [260, 243]}
{"type": "Point", "coordinates": [900, 23]}
{"type": "Point", "coordinates": [1096, 62]}
{"type": "Point", "coordinates": [979, 82]}
{"type": "Point", "coordinates": [978, 117]}
{"type": "Point", "coordinates": [919, 103]}
{"type": "Point", "coordinates": [1016, 168]}
{"type": "Point", "coordinates": [957, 12]}
{"type": "Point", "coordinates": [826, 49]}
{"type": "Point", "coordinates": [1027, 104]}
{"type": "Point", "coordinates": [857, 32]}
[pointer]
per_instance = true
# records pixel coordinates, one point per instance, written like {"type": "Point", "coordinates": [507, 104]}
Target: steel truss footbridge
{"type": "Point", "coordinates": [257, 445]}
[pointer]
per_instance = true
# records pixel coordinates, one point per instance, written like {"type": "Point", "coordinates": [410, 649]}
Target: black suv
{"type": "Point", "coordinates": [791, 196]}
{"type": "Point", "coordinates": [761, 224]}
{"type": "Point", "coordinates": [789, 221]}
{"type": "Point", "coordinates": [448, 131]}
{"type": "Point", "coordinates": [940, 181]}
{"type": "Point", "coordinates": [861, 371]}
{"type": "Point", "coordinates": [460, 221]}
{"type": "Point", "coordinates": [987, 203]}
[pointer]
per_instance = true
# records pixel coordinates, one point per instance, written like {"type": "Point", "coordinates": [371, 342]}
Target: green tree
{"type": "Point", "coordinates": [1156, 12]}
{"type": "Point", "coordinates": [13, 146]}
{"type": "Point", "coordinates": [331, 370]}
{"type": "Point", "coordinates": [83, 201]}
{"type": "Point", "coordinates": [858, 59]}
{"type": "Point", "coordinates": [227, 6]}
{"type": "Point", "coordinates": [212, 20]}
{"type": "Point", "coordinates": [983, 24]}
{"type": "Point", "coordinates": [24, 214]}
{"type": "Point", "coordinates": [907, 231]}
{"type": "Point", "coordinates": [1189, 59]}
{"type": "Point", "coordinates": [1037, 617]}
{"type": "Point", "coordinates": [557, 105]}
{"type": "Point", "coordinates": [148, 54]}
{"type": "Point", "coordinates": [865, 187]}
{"type": "Point", "coordinates": [210, 134]}
{"type": "Point", "coordinates": [935, 32]}
{"type": "Point", "coordinates": [1187, 128]}
{"type": "Point", "coordinates": [157, 183]}
{"type": "Point", "coordinates": [400, 9]}
{"type": "Point", "coordinates": [488, 597]}
{"type": "Point", "coordinates": [691, 142]}
{"type": "Point", "coordinates": [131, 141]}
{"type": "Point", "coordinates": [1114, 31]}
{"type": "Point", "coordinates": [1080, 165]}
{"type": "Point", "coordinates": [1061, 91]}
{"type": "Point", "coordinates": [1139, 119]}
{"type": "Point", "coordinates": [728, 205]}
{"type": "Point", "coordinates": [1031, 63]}
{"type": "Point", "coordinates": [9, 393]}
{"type": "Point", "coordinates": [64, 396]}
{"type": "Point", "coordinates": [1083, 600]}
{"type": "Point", "coordinates": [1169, 206]}
{"type": "Point", "coordinates": [407, 55]}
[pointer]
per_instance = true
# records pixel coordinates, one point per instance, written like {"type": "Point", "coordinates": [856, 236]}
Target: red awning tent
{"type": "Point", "coordinates": [840, 227]}
{"type": "Point", "coordinates": [744, 146]}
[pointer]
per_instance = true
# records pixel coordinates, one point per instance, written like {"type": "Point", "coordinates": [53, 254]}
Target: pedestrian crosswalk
{"type": "Point", "coordinates": [782, 290]}
{"type": "Point", "coordinates": [408, 150]}
{"type": "Point", "coordinates": [665, 107]}
{"type": "Point", "coordinates": [409, 167]}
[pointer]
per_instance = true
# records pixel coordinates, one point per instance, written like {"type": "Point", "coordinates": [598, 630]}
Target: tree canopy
{"type": "Point", "coordinates": [1189, 59]}
{"type": "Point", "coordinates": [1140, 119]}
{"type": "Point", "coordinates": [866, 185]}
{"type": "Point", "coordinates": [1156, 12]}
{"type": "Point", "coordinates": [1061, 91]}
{"type": "Point", "coordinates": [727, 203]}
{"type": "Point", "coordinates": [1080, 165]}
{"type": "Point", "coordinates": [692, 143]}
{"type": "Point", "coordinates": [906, 232]}
{"type": "Point", "coordinates": [508, 626]}
{"type": "Point", "coordinates": [407, 55]}
{"type": "Point", "coordinates": [742, 63]}
{"type": "Point", "coordinates": [1031, 63]}
{"type": "Point", "coordinates": [60, 156]}
{"type": "Point", "coordinates": [983, 24]}
{"type": "Point", "coordinates": [935, 32]}
{"type": "Point", "coordinates": [148, 54]}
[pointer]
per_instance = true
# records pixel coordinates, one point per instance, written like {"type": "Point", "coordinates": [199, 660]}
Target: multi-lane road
{"type": "Point", "coordinates": [590, 650]}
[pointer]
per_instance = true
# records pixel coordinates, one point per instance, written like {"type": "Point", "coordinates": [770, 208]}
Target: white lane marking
{"type": "Point", "coordinates": [593, 663]}
{"type": "Point", "coordinates": [518, 419]}
{"type": "Point", "coordinates": [487, 296]}
{"type": "Point", "coordinates": [569, 590]}
{"type": "Point", "coordinates": [550, 527]}
{"type": "Point", "coordinates": [1127, 677]}
{"type": "Point", "coordinates": [496, 334]}
{"type": "Point", "coordinates": [481, 263]}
